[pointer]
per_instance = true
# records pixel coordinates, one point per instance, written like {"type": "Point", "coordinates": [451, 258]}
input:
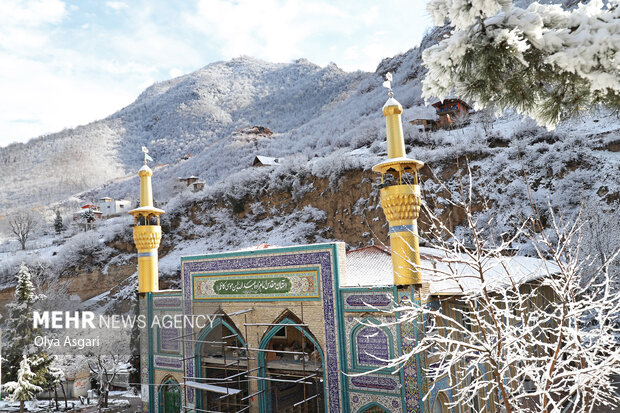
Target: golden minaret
{"type": "Point", "coordinates": [400, 201]}
{"type": "Point", "coordinates": [147, 236]}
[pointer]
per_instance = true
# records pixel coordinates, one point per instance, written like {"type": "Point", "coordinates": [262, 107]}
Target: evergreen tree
{"type": "Point", "coordinates": [89, 216]}
{"type": "Point", "coordinates": [20, 334]}
{"type": "Point", "coordinates": [544, 61]}
{"type": "Point", "coordinates": [58, 225]}
{"type": "Point", "coordinates": [25, 387]}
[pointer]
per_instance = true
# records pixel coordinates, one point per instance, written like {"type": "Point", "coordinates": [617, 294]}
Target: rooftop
{"type": "Point", "coordinates": [446, 274]}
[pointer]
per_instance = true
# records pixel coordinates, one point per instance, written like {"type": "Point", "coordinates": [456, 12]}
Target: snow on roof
{"type": "Point", "coordinates": [266, 160]}
{"type": "Point", "coordinates": [420, 112]}
{"type": "Point", "coordinates": [392, 102]}
{"type": "Point", "coordinates": [147, 209]}
{"type": "Point", "coordinates": [449, 100]}
{"type": "Point", "coordinates": [262, 246]}
{"type": "Point", "coordinates": [372, 267]}
{"type": "Point", "coordinates": [145, 168]}
{"type": "Point", "coordinates": [368, 266]}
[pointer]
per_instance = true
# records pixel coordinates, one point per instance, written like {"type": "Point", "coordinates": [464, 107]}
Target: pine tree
{"type": "Point", "coordinates": [25, 387]}
{"type": "Point", "coordinates": [58, 225]}
{"type": "Point", "coordinates": [89, 216]}
{"type": "Point", "coordinates": [20, 334]}
{"type": "Point", "coordinates": [543, 61]}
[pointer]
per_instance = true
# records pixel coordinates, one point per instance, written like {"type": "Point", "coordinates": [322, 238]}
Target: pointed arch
{"type": "Point", "coordinates": [373, 407]}
{"type": "Point", "coordinates": [222, 320]}
{"type": "Point", "coordinates": [169, 395]}
{"type": "Point", "coordinates": [287, 319]}
{"type": "Point", "coordinates": [440, 403]}
{"type": "Point", "coordinates": [210, 365]}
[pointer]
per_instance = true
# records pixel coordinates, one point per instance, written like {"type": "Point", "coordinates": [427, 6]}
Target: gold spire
{"type": "Point", "coordinates": [400, 202]}
{"type": "Point", "coordinates": [147, 236]}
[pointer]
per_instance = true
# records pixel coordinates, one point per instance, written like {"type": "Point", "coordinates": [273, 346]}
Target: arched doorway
{"type": "Point", "coordinates": [292, 368]}
{"type": "Point", "coordinates": [440, 404]}
{"type": "Point", "coordinates": [170, 396]}
{"type": "Point", "coordinates": [222, 365]}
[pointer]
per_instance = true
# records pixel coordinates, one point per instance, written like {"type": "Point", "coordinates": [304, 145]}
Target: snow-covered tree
{"type": "Point", "coordinates": [544, 61]}
{"type": "Point", "coordinates": [89, 216]}
{"type": "Point", "coordinates": [20, 332]}
{"type": "Point", "coordinates": [25, 387]}
{"type": "Point", "coordinates": [601, 241]}
{"type": "Point", "coordinates": [530, 334]}
{"type": "Point", "coordinates": [58, 224]}
{"type": "Point", "coordinates": [54, 378]}
{"type": "Point", "coordinates": [108, 362]}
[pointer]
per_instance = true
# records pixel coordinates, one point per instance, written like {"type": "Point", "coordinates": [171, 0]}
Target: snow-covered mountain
{"type": "Point", "coordinates": [328, 131]}
{"type": "Point", "coordinates": [184, 115]}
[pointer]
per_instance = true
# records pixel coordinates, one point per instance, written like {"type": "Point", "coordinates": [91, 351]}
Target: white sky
{"type": "Point", "coordinates": [66, 63]}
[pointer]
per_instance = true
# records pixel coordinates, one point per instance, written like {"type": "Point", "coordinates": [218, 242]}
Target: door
{"type": "Point", "coordinates": [171, 398]}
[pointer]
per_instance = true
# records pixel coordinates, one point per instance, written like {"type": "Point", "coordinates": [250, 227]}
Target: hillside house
{"type": "Point", "coordinates": [424, 117]}
{"type": "Point", "coordinates": [88, 207]}
{"type": "Point", "coordinates": [260, 160]}
{"type": "Point", "coordinates": [111, 207]}
{"type": "Point", "coordinates": [451, 112]}
{"type": "Point", "coordinates": [189, 180]}
{"type": "Point", "coordinates": [254, 130]}
{"type": "Point", "coordinates": [193, 182]}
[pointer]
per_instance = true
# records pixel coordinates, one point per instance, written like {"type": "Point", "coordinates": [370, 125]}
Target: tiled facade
{"type": "Point", "coordinates": [341, 320]}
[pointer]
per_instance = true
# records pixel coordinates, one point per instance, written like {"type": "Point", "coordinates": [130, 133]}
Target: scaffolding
{"type": "Point", "coordinates": [232, 371]}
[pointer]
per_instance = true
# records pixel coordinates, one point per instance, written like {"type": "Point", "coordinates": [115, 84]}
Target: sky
{"type": "Point", "coordinates": [65, 63]}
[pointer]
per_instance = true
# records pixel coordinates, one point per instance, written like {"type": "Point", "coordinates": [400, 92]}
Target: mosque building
{"type": "Point", "coordinates": [291, 329]}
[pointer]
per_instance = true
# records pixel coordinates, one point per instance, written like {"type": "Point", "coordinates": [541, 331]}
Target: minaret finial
{"type": "Point", "coordinates": [146, 156]}
{"type": "Point", "coordinates": [388, 84]}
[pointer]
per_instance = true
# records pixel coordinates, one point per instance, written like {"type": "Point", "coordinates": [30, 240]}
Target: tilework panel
{"type": "Point", "coordinates": [264, 286]}
{"type": "Point", "coordinates": [360, 400]}
{"type": "Point", "coordinates": [167, 301]}
{"type": "Point", "coordinates": [375, 383]}
{"type": "Point", "coordinates": [288, 258]}
{"type": "Point", "coordinates": [168, 363]}
{"type": "Point", "coordinates": [352, 320]}
{"type": "Point", "coordinates": [410, 369]}
{"type": "Point", "coordinates": [366, 300]}
{"type": "Point", "coordinates": [144, 358]}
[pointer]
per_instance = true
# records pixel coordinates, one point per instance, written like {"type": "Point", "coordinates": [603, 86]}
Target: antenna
{"type": "Point", "coordinates": [388, 84]}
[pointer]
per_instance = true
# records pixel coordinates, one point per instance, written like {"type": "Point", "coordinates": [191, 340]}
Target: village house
{"type": "Point", "coordinates": [84, 209]}
{"type": "Point", "coordinates": [448, 113]}
{"type": "Point", "coordinates": [260, 160]}
{"type": "Point", "coordinates": [111, 207]}
{"type": "Point", "coordinates": [451, 112]}
{"type": "Point", "coordinates": [193, 182]}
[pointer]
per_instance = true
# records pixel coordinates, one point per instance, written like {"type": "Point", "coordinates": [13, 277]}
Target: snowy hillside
{"type": "Point", "coordinates": [328, 131]}
{"type": "Point", "coordinates": [173, 118]}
